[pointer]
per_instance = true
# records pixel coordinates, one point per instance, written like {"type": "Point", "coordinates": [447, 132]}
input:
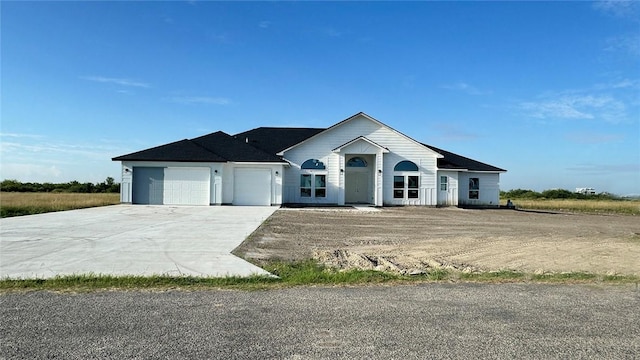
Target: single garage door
{"type": "Point", "coordinates": [252, 186]}
{"type": "Point", "coordinates": [148, 185]}
{"type": "Point", "coordinates": [171, 186]}
{"type": "Point", "coordinates": [187, 186]}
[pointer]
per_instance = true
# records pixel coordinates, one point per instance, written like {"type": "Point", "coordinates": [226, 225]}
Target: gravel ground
{"type": "Point", "coordinates": [456, 321]}
{"type": "Point", "coordinates": [406, 238]}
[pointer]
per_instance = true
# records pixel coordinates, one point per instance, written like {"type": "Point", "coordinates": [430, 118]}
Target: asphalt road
{"type": "Point", "coordinates": [509, 321]}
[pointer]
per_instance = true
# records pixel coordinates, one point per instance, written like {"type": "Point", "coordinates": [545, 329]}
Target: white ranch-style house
{"type": "Point", "coordinates": [359, 160]}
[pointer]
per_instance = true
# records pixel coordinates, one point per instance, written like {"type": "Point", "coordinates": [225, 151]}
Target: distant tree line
{"type": "Point", "coordinates": [554, 194]}
{"type": "Point", "coordinates": [107, 186]}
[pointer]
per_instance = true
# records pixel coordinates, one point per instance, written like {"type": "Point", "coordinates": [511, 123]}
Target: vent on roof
{"type": "Point", "coordinates": [246, 140]}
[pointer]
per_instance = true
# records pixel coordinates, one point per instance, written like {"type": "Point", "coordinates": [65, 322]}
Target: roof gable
{"type": "Point", "coordinates": [363, 139]}
{"type": "Point", "coordinates": [358, 115]}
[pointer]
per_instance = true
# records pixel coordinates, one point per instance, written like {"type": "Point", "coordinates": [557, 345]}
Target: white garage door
{"type": "Point", "coordinates": [252, 186]}
{"type": "Point", "coordinates": [187, 186]}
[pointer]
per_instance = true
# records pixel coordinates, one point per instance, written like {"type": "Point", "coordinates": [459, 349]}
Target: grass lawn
{"type": "Point", "coordinates": [297, 274]}
{"type": "Point", "coordinates": [20, 203]}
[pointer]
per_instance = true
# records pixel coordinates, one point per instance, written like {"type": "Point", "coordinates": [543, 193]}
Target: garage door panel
{"type": "Point", "coordinates": [148, 185]}
{"type": "Point", "coordinates": [252, 186]}
{"type": "Point", "coordinates": [186, 186]}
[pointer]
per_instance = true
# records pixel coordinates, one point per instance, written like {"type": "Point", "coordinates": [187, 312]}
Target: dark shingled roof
{"type": "Point", "coordinates": [455, 161]}
{"type": "Point", "coordinates": [261, 145]}
{"type": "Point", "coordinates": [215, 147]}
{"type": "Point", "coordinates": [274, 139]}
{"type": "Point", "coordinates": [183, 150]}
{"type": "Point", "coordinates": [233, 149]}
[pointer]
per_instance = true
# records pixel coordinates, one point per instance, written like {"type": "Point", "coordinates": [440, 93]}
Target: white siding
{"type": "Point", "coordinates": [489, 192]}
{"type": "Point", "coordinates": [400, 148]}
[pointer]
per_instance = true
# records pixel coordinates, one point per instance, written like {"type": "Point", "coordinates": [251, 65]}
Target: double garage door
{"type": "Point", "coordinates": [171, 186]}
{"type": "Point", "coordinates": [192, 186]}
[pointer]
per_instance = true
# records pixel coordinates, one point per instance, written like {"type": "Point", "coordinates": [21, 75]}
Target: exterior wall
{"type": "Point", "coordinates": [221, 191]}
{"type": "Point", "coordinates": [448, 197]}
{"type": "Point", "coordinates": [227, 182]}
{"type": "Point", "coordinates": [489, 189]}
{"type": "Point", "coordinates": [126, 187]}
{"type": "Point", "coordinates": [400, 148]}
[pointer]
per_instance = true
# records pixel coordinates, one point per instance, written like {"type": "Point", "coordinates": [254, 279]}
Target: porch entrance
{"type": "Point", "coordinates": [358, 179]}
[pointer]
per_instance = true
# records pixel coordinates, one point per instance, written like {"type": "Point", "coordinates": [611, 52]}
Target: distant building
{"type": "Point", "coordinates": [586, 191]}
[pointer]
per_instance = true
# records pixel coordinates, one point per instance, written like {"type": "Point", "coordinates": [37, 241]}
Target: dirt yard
{"type": "Point", "coordinates": [416, 239]}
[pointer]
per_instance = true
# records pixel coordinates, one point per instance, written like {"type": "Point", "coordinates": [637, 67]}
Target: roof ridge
{"type": "Point", "coordinates": [207, 149]}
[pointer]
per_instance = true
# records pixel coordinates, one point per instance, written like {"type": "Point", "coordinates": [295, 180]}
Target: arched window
{"type": "Point", "coordinates": [313, 164]}
{"type": "Point", "coordinates": [406, 186]}
{"type": "Point", "coordinates": [406, 165]}
{"type": "Point", "coordinates": [313, 184]}
{"type": "Point", "coordinates": [356, 162]}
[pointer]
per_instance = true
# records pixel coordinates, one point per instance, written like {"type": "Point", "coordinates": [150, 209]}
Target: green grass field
{"type": "Point", "coordinates": [21, 203]}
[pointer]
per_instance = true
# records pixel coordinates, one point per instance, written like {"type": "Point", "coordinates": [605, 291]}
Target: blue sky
{"type": "Point", "coordinates": [548, 91]}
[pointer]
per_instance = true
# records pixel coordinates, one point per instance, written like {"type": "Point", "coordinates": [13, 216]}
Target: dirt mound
{"type": "Point", "coordinates": [405, 265]}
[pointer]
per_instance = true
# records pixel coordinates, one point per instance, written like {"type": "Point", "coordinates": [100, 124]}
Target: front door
{"type": "Point", "coordinates": [356, 189]}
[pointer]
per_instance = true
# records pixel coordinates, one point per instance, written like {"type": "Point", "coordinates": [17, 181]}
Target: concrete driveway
{"type": "Point", "coordinates": [130, 240]}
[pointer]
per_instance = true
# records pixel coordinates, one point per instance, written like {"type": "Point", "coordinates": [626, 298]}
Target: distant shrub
{"type": "Point", "coordinates": [107, 186]}
{"type": "Point", "coordinates": [554, 194]}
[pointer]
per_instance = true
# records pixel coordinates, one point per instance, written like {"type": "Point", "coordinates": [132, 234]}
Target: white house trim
{"type": "Point", "coordinates": [357, 160]}
{"type": "Point", "coordinates": [382, 148]}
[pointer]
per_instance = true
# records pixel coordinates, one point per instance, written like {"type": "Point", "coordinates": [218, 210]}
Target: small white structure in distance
{"type": "Point", "coordinates": [586, 191]}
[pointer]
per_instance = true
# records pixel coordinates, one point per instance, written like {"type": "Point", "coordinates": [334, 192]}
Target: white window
{"type": "Point", "coordinates": [444, 182]}
{"type": "Point", "coordinates": [313, 185]}
{"type": "Point", "coordinates": [474, 188]}
{"type": "Point", "coordinates": [406, 180]}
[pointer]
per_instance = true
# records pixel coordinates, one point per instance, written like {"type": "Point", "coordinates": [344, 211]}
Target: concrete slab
{"type": "Point", "coordinates": [130, 240]}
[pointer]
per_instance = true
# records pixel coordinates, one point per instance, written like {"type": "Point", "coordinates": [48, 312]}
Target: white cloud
{"type": "Point", "coordinates": [28, 172]}
{"type": "Point", "coordinates": [605, 169]}
{"type": "Point", "coordinates": [117, 81]}
{"type": "Point", "coordinates": [593, 137]}
{"type": "Point", "coordinates": [200, 100]}
{"type": "Point", "coordinates": [264, 24]}
{"type": "Point", "coordinates": [621, 84]}
{"type": "Point", "coordinates": [629, 44]}
{"type": "Point", "coordinates": [14, 135]}
{"type": "Point", "coordinates": [618, 8]}
{"type": "Point", "coordinates": [41, 159]}
{"type": "Point", "coordinates": [331, 32]}
{"type": "Point", "coordinates": [575, 105]}
{"type": "Point", "coordinates": [464, 87]}
{"type": "Point", "coordinates": [221, 38]}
